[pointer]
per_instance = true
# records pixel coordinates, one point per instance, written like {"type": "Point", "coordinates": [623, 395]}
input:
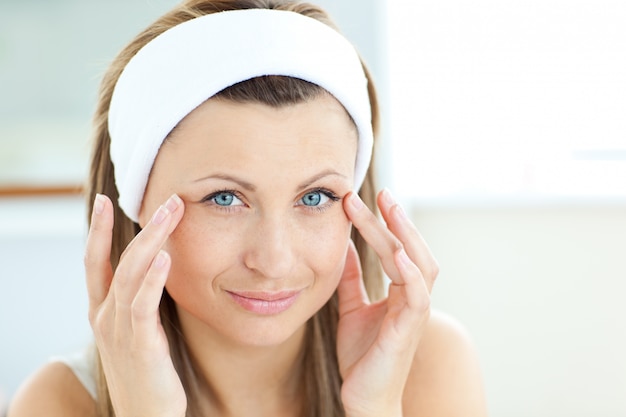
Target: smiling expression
{"type": "Point", "coordinates": [261, 246]}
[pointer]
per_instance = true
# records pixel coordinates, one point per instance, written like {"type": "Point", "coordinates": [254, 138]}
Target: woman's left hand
{"type": "Point", "coordinates": [376, 342]}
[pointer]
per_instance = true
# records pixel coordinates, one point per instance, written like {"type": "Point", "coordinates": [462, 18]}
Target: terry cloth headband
{"type": "Point", "coordinates": [189, 63]}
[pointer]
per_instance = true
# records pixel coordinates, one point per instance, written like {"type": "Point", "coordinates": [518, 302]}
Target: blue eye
{"type": "Point", "coordinates": [314, 198]}
{"type": "Point", "coordinates": [318, 199]}
{"type": "Point", "coordinates": [225, 199]}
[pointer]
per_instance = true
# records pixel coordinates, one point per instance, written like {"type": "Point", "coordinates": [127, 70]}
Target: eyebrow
{"type": "Point", "coordinates": [244, 184]}
{"type": "Point", "coordinates": [251, 187]}
{"type": "Point", "coordinates": [319, 176]}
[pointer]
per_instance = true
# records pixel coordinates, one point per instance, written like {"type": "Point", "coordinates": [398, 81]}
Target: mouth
{"type": "Point", "coordinates": [264, 303]}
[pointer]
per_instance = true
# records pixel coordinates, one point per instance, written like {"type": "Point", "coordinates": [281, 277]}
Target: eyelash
{"type": "Point", "coordinates": [328, 193]}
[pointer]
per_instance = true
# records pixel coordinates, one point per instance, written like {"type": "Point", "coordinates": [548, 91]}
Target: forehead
{"type": "Point", "coordinates": [224, 134]}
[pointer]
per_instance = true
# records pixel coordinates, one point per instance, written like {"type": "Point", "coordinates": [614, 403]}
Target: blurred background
{"type": "Point", "coordinates": [504, 136]}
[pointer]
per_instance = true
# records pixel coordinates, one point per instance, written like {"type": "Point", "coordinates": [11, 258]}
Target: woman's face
{"type": "Point", "coordinates": [262, 243]}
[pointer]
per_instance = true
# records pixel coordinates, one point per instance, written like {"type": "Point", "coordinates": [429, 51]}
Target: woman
{"type": "Point", "coordinates": [232, 269]}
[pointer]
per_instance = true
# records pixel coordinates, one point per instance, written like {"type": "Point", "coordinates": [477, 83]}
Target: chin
{"type": "Point", "coordinates": [264, 333]}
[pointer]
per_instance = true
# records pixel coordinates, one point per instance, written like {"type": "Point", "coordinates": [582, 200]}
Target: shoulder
{"type": "Point", "coordinates": [445, 378]}
{"type": "Point", "coordinates": [54, 390]}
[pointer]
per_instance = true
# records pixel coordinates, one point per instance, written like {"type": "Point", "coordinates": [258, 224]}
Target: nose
{"type": "Point", "coordinates": [272, 248]}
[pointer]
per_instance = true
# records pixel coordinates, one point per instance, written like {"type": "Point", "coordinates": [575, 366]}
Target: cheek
{"type": "Point", "coordinates": [326, 251]}
{"type": "Point", "coordinates": [200, 249]}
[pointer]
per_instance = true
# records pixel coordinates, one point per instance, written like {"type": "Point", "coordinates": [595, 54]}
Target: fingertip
{"type": "Point", "coordinates": [402, 260]}
{"type": "Point", "coordinates": [101, 204]}
{"type": "Point", "coordinates": [387, 203]}
{"type": "Point", "coordinates": [98, 204]}
{"type": "Point", "coordinates": [159, 270]}
{"type": "Point", "coordinates": [409, 271]}
{"type": "Point", "coordinates": [354, 202]}
{"type": "Point", "coordinates": [400, 214]}
{"type": "Point", "coordinates": [385, 199]}
{"type": "Point", "coordinates": [173, 203]}
{"type": "Point", "coordinates": [180, 211]}
{"type": "Point", "coordinates": [176, 215]}
{"type": "Point", "coordinates": [101, 220]}
{"type": "Point", "coordinates": [161, 260]}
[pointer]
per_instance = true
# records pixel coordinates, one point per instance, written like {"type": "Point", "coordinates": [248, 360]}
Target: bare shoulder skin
{"type": "Point", "coordinates": [445, 378]}
{"type": "Point", "coordinates": [53, 391]}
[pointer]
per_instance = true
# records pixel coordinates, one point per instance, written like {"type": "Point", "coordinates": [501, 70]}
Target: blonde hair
{"type": "Point", "coordinates": [321, 379]}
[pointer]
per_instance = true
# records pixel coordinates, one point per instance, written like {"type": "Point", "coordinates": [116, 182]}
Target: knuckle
{"type": "Point", "coordinates": [434, 269]}
{"type": "Point", "coordinates": [121, 279]}
{"type": "Point", "coordinates": [429, 268]}
{"type": "Point", "coordinates": [93, 321]}
{"type": "Point", "coordinates": [137, 310]}
{"type": "Point", "coordinates": [89, 260]}
{"type": "Point", "coordinates": [422, 305]}
{"type": "Point", "coordinates": [140, 312]}
{"type": "Point", "coordinates": [98, 319]}
{"type": "Point", "coordinates": [395, 244]}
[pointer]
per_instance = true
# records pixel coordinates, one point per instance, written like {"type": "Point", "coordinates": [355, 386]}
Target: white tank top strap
{"type": "Point", "coordinates": [82, 364]}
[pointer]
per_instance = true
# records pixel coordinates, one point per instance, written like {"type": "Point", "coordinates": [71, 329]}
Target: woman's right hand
{"type": "Point", "coordinates": [124, 313]}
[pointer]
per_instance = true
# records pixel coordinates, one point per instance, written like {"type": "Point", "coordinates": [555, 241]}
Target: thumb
{"type": "Point", "coordinates": [351, 289]}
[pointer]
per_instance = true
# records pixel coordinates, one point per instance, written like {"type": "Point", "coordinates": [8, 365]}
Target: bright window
{"type": "Point", "coordinates": [508, 100]}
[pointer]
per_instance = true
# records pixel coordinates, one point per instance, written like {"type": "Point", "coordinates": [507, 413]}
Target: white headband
{"type": "Point", "coordinates": [189, 63]}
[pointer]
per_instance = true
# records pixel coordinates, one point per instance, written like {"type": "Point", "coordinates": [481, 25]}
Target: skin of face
{"type": "Point", "coordinates": [262, 189]}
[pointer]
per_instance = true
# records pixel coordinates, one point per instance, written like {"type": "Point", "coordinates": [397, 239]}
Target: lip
{"type": "Point", "coordinates": [265, 302]}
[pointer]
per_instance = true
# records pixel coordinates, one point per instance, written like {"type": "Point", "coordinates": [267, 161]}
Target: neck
{"type": "Point", "coordinates": [238, 379]}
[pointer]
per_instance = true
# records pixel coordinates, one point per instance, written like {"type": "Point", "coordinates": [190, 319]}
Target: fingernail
{"type": "Point", "coordinates": [400, 213]}
{"type": "Point", "coordinates": [387, 198]}
{"type": "Point", "coordinates": [356, 201]}
{"type": "Point", "coordinates": [160, 259]}
{"type": "Point", "coordinates": [98, 204]}
{"type": "Point", "coordinates": [160, 215]}
{"type": "Point", "coordinates": [404, 258]}
{"type": "Point", "coordinates": [173, 203]}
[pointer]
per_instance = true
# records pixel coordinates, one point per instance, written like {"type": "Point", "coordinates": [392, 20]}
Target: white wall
{"type": "Point", "coordinates": [43, 300]}
{"type": "Point", "coordinates": [541, 290]}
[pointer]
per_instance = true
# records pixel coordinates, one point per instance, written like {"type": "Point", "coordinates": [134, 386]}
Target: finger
{"type": "Point", "coordinates": [408, 307]}
{"type": "Point", "coordinates": [138, 257]}
{"type": "Point", "coordinates": [97, 260]}
{"type": "Point", "coordinates": [145, 307]}
{"type": "Point", "coordinates": [351, 289]}
{"type": "Point", "coordinates": [172, 204]}
{"type": "Point", "coordinates": [416, 294]}
{"type": "Point", "coordinates": [404, 229]}
{"type": "Point", "coordinates": [375, 233]}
